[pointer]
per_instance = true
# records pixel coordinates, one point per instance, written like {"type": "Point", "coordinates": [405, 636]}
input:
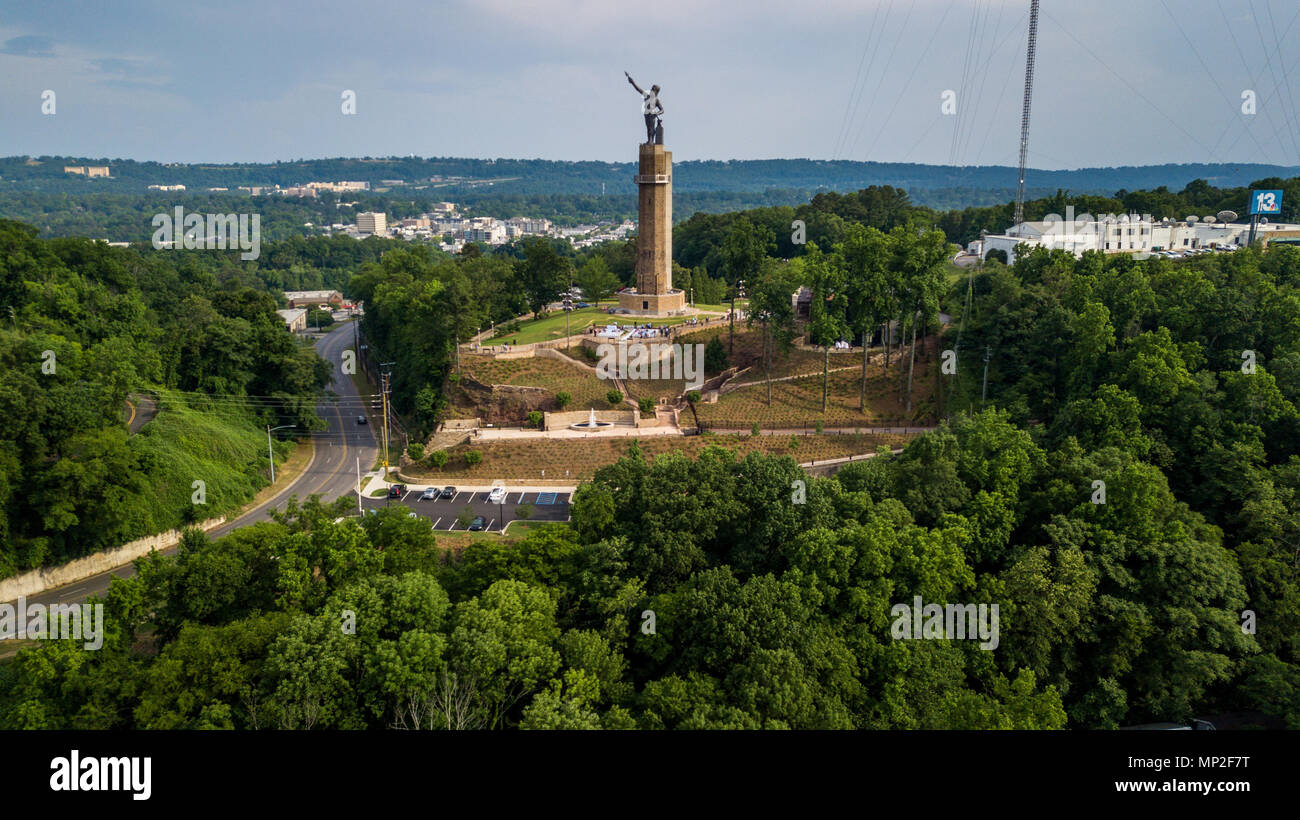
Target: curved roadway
{"type": "Point", "coordinates": [331, 473]}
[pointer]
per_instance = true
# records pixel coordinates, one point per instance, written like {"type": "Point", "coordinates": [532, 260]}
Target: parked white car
{"type": "Point", "coordinates": [497, 495]}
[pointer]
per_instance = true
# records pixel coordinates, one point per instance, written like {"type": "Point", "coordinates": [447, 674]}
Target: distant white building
{"type": "Point", "coordinates": [487, 235]}
{"type": "Point", "coordinates": [339, 187]}
{"type": "Point", "coordinates": [295, 319]}
{"type": "Point", "coordinates": [523, 225]}
{"type": "Point", "coordinates": [372, 222]}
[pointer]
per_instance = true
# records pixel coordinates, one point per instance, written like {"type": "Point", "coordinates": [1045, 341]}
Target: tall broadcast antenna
{"type": "Point", "coordinates": [1024, 114]}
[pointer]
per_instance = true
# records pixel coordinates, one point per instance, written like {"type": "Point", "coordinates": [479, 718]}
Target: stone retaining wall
{"type": "Point", "coordinates": [562, 420]}
{"type": "Point", "coordinates": [36, 581]}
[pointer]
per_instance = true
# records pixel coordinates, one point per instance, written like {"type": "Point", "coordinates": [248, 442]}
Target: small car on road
{"type": "Point", "coordinates": [362, 420]}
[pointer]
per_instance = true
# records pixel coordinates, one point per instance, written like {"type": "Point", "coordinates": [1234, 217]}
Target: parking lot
{"type": "Point", "coordinates": [445, 513]}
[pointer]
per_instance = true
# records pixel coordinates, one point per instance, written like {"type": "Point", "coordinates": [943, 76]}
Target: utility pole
{"type": "Point", "coordinates": [386, 376]}
{"type": "Point", "coordinates": [359, 510]}
{"type": "Point", "coordinates": [270, 454]}
{"type": "Point", "coordinates": [984, 391]}
{"type": "Point", "coordinates": [383, 404]}
{"type": "Point", "coordinates": [1024, 111]}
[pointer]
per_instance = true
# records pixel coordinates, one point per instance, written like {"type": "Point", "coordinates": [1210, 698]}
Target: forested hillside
{"type": "Point", "coordinates": [457, 176]}
{"type": "Point", "coordinates": [84, 325]}
{"type": "Point", "coordinates": [696, 595]}
{"type": "Point", "coordinates": [1170, 388]}
{"type": "Point", "coordinates": [1178, 385]}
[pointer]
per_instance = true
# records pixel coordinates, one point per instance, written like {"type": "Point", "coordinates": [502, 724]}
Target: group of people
{"type": "Point", "coordinates": [646, 331]}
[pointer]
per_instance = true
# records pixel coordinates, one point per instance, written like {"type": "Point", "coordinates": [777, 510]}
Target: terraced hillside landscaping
{"type": "Point", "coordinates": [526, 459]}
{"type": "Point", "coordinates": [508, 407]}
{"type": "Point", "coordinates": [798, 402]}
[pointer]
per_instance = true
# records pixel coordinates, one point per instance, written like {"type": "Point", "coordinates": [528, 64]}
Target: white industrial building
{"type": "Point", "coordinates": [295, 319]}
{"type": "Point", "coordinates": [1128, 233]}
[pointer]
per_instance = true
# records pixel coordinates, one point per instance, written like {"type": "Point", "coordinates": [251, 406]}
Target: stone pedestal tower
{"type": "Point", "coordinates": [654, 294]}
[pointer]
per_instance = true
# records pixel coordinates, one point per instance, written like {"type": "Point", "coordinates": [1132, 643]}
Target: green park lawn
{"type": "Point", "coordinates": [551, 326]}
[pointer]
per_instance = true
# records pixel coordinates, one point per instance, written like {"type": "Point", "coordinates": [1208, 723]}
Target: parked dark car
{"type": "Point", "coordinates": [449, 492]}
{"type": "Point", "coordinates": [476, 525]}
{"type": "Point", "coordinates": [396, 490]}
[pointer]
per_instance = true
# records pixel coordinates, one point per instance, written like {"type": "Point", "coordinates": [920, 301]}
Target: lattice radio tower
{"type": "Point", "coordinates": [1024, 113]}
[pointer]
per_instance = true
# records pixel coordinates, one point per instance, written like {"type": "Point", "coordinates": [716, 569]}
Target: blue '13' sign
{"type": "Point", "coordinates": [1265, 203]}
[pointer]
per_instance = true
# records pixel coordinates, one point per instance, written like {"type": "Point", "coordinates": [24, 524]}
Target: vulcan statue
{"type": "Point", "coordinates": [653, 111]}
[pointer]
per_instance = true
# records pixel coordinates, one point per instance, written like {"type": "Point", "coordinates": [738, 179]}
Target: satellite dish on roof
{"type": "Point", "coordinates": [1227, 216]}
{"type": "Point", "coordinates": [1192, 220]}
{"type": "Point", "coordinates": [1209, 220]}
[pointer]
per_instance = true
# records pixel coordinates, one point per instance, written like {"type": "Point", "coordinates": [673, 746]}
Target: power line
{"type": "Point", "coordinates": [993, 121]}
{"type": "Point", "coordinates": [1213, 77]}
{"type": "Point", "coordinates": [848, 133]}
{"type": "Point", "coordinates": [964, 147]}
{"type": "Point", "coordinates": [911, 76]}
{"type": "Point", "coordinates": [1249, 75]}
{"type": "Point", "coordinates": [859, 79]}
{"type": "Point", "coordinates": [1290, 95]}
{"type": "Point", "coordinates": [965, 74]}
{"type": "Point", "coordinates": [884, 72]}
{"type": "Point", "coordinates": [1130, 86]}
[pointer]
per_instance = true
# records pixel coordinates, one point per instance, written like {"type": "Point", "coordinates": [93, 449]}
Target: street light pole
{"type": "Point", "coordinates": [270, 454]}
{"type": "Point", "coordinates": [738, 290]}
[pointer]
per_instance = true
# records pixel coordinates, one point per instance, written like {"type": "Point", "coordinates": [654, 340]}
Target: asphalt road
{"type": "Point", "coordinates": [331, 473]}
{"type": "Point", "coordinates": [445, 512]}
{"type": "Point", "coordinates": [140, 412]}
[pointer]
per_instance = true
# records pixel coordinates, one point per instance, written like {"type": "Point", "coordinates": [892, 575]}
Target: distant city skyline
{"type": "Point", "coordinates": [244, 82]}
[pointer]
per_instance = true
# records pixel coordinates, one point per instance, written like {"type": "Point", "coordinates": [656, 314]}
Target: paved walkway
{"type": "Point", "coordinates": [729, 386]}
{"type": "Point", "coordinates": [860, 430]}
{"type": "Point", "coordinates": [616, 431]}
{"type": "Point", "coordinates": [826, 462]}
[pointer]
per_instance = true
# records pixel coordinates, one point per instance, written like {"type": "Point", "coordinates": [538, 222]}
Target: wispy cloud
{"type": "Point", "coordinates": [28, 45]}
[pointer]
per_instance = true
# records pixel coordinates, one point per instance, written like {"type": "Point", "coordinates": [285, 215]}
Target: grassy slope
{"type": "Point", "coordinates": [226, 452]}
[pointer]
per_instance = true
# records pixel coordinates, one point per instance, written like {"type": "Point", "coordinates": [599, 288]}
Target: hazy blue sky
{"type": "Point", "coordinates": [1119, 82]}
